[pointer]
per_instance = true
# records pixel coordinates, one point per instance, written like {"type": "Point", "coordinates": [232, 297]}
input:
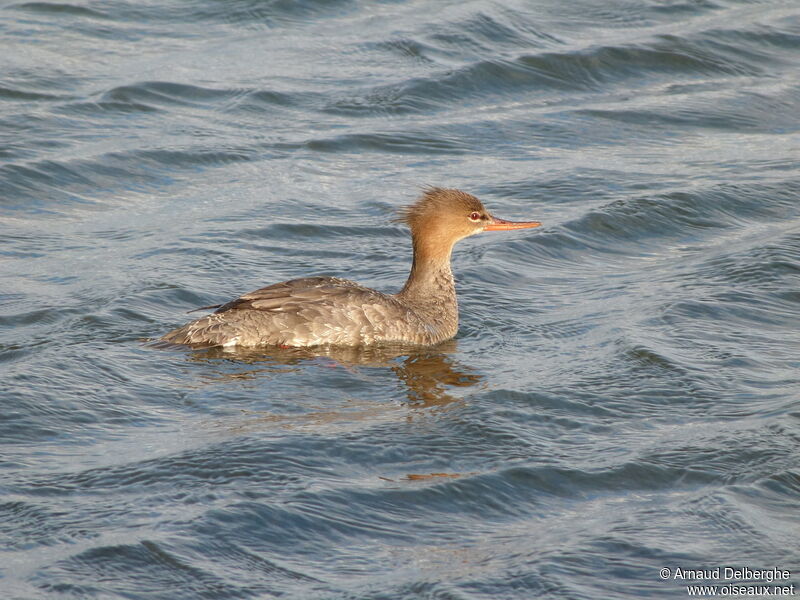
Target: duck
{"type": "Point", "coordinates": [331, 311]}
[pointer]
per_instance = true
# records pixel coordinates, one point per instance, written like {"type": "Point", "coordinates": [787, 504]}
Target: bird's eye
{"type": "Point", "coordinates": [476, 216]}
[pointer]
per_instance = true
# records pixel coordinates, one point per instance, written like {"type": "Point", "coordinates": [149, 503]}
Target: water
{"type": "Point", "coordinates": [623, 393]}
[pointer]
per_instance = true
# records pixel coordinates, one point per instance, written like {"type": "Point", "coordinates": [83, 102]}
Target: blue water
{"type": "Point", "coordinates": [624, 392]}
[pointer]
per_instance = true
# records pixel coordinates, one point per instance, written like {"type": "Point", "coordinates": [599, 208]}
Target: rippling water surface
{"type": "Point", "coordinates": [623, 392]}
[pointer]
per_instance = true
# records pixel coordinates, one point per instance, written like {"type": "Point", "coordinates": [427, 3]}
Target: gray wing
{"type": "Point", "coordinates": [305, 312]}
{"type": "Point", "coordinates": [288, 295]}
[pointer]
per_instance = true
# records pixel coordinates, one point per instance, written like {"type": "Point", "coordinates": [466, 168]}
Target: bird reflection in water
{"type": "Point", "coordinates": [428, 374]}
{"type": "Point", "coordinates": [429, 377]}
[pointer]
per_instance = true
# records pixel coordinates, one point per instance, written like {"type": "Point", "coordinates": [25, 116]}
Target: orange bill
{"type": "Point", "coordinates": [502, 225]}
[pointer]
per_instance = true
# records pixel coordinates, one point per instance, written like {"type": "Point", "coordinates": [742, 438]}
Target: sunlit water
{"type": "Point", "coordinates": [623, 393]}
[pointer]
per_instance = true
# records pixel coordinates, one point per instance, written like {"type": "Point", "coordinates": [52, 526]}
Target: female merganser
{"type": "Point", "coordinates": [317, 311]}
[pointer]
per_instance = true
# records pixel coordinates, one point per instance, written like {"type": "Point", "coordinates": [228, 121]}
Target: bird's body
{"type": "Point", "coordinates": [317, 311]}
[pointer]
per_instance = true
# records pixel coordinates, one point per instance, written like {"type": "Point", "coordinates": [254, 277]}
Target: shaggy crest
{"type": "Point", "coordinates": [436, 199]}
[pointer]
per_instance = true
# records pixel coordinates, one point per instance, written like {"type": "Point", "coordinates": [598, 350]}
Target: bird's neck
{"type": "Point", "coordinates": [430, 289]}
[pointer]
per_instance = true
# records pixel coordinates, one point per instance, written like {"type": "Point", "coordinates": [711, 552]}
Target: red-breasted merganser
{"type": "Point", "coordinates": [316, 311]}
